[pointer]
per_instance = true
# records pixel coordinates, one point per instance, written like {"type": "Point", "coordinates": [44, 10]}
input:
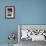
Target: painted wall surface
{"type": "Point", "coordinates": [31, 11]}
{"type": "Point", "coordinates": [27, 12]}
{"type": "Point", "coordinates": [6, 25]}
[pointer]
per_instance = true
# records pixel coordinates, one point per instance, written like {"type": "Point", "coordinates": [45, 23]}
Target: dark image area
{"type": "Point", "coordinates": [10, 9]}
{"type": "Point", "coordinates": [9, 14]}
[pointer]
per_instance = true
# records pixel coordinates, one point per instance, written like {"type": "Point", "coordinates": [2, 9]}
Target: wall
{"type": "Point", "coordinates": [27, 12]}
{"type": "Point", "coordinates": [31, 11]}
{"type": "Point", "coordinates": [6, 25]}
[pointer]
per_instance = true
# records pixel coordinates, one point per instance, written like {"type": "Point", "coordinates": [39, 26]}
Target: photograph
{"type": "Point", "coordinates": [9, 12]}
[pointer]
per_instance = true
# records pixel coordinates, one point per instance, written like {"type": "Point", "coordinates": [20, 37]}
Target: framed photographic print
{"type": "Point", "coordinates": [33, 32]}
{"type": "Point", "coordinates": [10, 12]}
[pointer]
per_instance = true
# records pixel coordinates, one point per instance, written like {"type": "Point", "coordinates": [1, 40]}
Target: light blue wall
{"type": "Point", "coordinates": [31, 11]}
{"type": "Point", "coordinates": [27, 12]}
{"type": "Point", "coordinates": [6, 25]}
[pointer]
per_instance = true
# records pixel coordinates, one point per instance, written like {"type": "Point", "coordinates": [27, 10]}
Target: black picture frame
{"type": "Point", "coordinates": [9, 12]}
